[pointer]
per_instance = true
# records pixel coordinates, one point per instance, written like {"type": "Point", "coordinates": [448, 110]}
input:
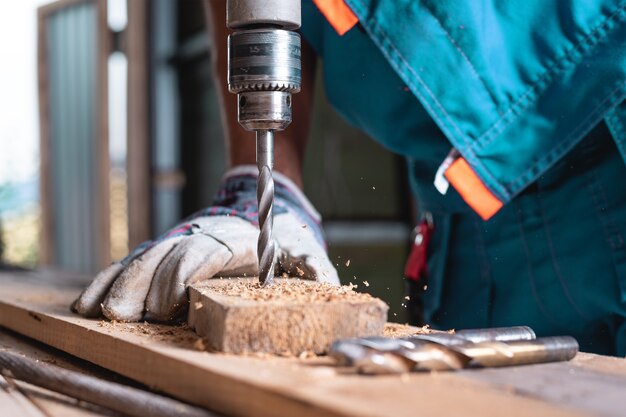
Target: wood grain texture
{"type": "Point", "coordinates": [562, 383]}
{"type": "Point", "coordinates": [164, 358]}
{"type": "Point", "coordinates": [53, 404]}
{"type": "Point", "coordinates": [14, 403]}
{"type": "Point", "coordinates": [232, 324]}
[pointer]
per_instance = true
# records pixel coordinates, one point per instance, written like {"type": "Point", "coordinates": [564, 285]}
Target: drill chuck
{"type": "Point", "coordinates": [264, 60]}
{"type": "Point", "coordinates": [264, 69]}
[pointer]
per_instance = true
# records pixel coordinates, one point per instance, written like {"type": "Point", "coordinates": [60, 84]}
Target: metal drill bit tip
{"type": "Point", "coordinates": [265, 198]}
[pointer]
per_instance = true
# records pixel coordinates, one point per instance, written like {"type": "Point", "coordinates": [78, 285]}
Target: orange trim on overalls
{"type": "Point", "coordinates": [472, 190]}
{"type": "Point", "coordinates": [338, 14]}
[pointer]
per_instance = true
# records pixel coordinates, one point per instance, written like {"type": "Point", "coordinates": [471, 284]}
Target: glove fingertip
{"type": "Point", "coordinates": [323, 270]}
{"type": "Point", "coordinates": [88, 310]}
{"type": "Point", "coordinates": [88, 302]}
{"type": "Point", "coordinates": [113, 311]}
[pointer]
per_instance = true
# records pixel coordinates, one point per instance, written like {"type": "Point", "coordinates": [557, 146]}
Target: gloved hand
{"type": "Point", "coordinates": [220, 240]}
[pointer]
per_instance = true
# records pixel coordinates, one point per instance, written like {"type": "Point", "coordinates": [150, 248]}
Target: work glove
{"type": "Point", "coordinates": [219, 241]}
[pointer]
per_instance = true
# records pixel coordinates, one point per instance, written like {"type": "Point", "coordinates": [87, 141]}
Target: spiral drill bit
{"type": "Point", "coordinates": [264, 69]}
{"type": "Point", "coordinates": [265, 198]}
{"type": "Point", "coordinates": [443, 351]}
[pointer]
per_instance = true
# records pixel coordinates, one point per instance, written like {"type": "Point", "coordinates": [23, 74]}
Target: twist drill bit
{"type": "Point", "coordinates": [264, 69]}
{"type": "Point", "coordinates": [442, 351]}
{"type": "Point", "coordinates": [265, 198]}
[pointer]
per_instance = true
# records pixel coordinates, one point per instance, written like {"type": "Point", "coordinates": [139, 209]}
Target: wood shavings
{"type": "Point", "coordinates": [197, 305]}
{"type": "Point", "coordinates": [180, 335]}
{"type": "Point", "coordinates": [307, 354]}
{"type": "Point", "coordinates": [199, 344]}
{"type": "Point", "coordinates": [396, 330]}
{"type": "Point", "coordinates": [291, 290]}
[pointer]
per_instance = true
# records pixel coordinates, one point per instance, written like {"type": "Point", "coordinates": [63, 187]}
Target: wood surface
{"type": "Point", "coordinates": [166, 359]}
{"type": "Point", "coordinates": [233, 324]}
{"type": "Point", "coordinates": [14, 403]}
{"type": "Point", "coordinates": [53, 404]}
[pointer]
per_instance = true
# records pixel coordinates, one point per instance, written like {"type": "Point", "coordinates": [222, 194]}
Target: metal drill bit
{"type": "Point", "coordinates": [498, 334]}
{"type": "Point", "coordinates": [265, 198]}
{"type": "Point", "coordinates": [264, 70]}
{"type": "Point", "coordinates": [497, 347]}
{"type": "Point", "coordinates": [520, 352]}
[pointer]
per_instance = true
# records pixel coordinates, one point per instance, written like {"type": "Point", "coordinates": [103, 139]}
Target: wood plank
{"type": "Point", "coordinates": [164, 358]}
{"type": "Point", "coordinates": [602, 364]}
{"type": "Point", "coordinates": [14, 403]}
{"type": "Point", "coordinates": [51, 403]}
{"type": "Point", "coordinates": [561, 383]}
{"type": "Point", "coordinates": [291, 317]}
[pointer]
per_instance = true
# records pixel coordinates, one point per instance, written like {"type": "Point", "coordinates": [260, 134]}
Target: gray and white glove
{"type": "Point", "coordinates": [218, 241]}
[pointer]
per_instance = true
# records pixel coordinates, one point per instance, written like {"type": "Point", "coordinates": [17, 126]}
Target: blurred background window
{"type": "Point", "coordinates": [19, 147]}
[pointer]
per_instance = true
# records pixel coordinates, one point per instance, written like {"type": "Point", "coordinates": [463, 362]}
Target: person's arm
{"type": "Point", "coordinates": [290, 144]}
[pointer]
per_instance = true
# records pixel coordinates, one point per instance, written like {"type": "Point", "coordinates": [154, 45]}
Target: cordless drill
{"type": "Point", "coordinates": [264, 69]}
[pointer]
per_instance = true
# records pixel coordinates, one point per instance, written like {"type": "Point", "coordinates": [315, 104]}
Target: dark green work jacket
{"type": "Point", "coordinates": [529, 95]}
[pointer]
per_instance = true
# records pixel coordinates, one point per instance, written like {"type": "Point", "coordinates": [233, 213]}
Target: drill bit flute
{"type": "Point", "coordinates": [264, 69]}
{"type": "Point", "coordinates": [265, 199]}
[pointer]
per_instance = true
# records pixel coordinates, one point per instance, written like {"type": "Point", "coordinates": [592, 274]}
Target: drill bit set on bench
{"type": "Point", "coordinates": [441, 351]}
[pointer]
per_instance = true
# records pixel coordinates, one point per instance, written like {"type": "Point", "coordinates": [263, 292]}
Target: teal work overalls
{"type": "Point", "coordinates": [528, 93]}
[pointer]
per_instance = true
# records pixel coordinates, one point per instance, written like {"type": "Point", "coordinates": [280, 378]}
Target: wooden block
{"type": "Point", "coordinates": [290, 317]}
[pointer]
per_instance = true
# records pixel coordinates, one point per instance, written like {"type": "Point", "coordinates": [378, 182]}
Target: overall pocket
{"type": "Point", "coordinates": [426, 268]}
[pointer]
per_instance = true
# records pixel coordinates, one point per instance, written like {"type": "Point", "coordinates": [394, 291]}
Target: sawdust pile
{"type": "Point", "coordinates": [178, 335]}
{"type": "Point", "coordinates": [290, 291]}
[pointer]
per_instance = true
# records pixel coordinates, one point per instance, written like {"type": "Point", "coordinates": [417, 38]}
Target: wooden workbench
{"type": "Point", "coordinates": [18, 399]}
{"type": "Point", "coordinates": [167, 359]}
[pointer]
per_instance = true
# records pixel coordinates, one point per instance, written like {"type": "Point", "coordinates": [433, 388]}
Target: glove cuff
{"type": "Point", "coordinates": [279, 179]}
